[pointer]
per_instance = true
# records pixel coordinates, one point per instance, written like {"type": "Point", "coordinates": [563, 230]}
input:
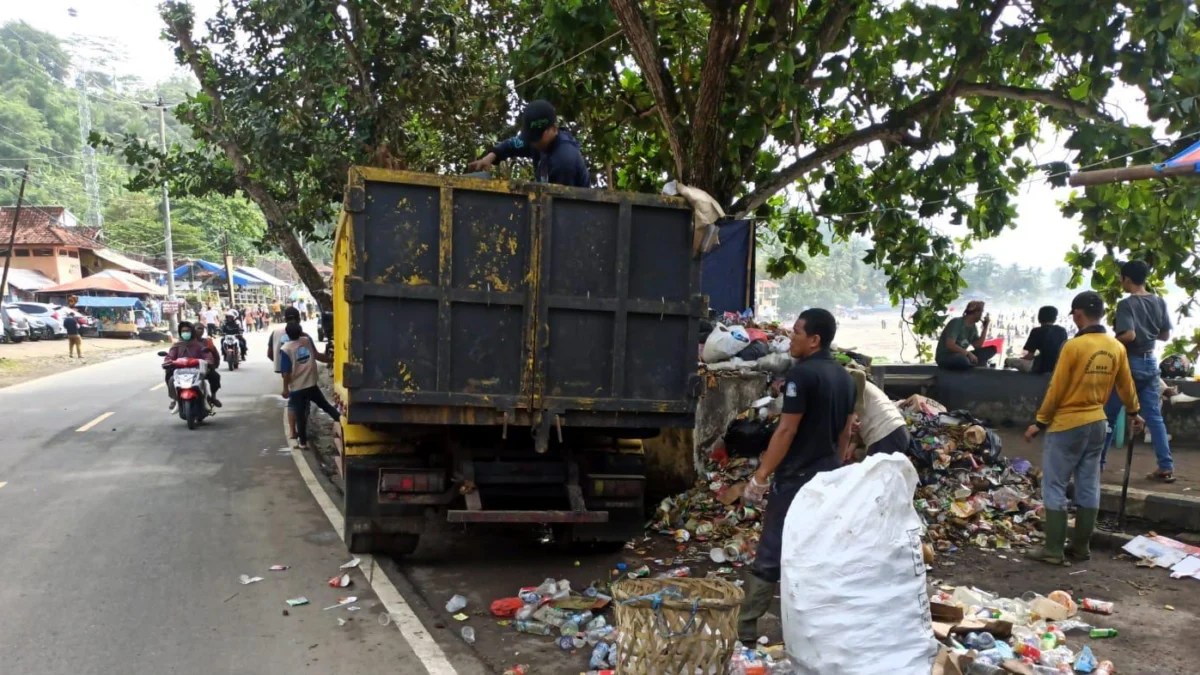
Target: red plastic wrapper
{"type": "Point", "coordinates": [506, 608]}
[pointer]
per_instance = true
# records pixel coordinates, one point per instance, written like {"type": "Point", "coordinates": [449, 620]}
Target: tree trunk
{"type": "Point", "coordinates": [305, 269]}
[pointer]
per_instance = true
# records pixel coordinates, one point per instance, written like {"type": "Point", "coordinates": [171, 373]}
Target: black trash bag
{"type": "Point", "coordinates": [992, 448]}
{"type": "Point", "coordinates": [755, 351]}
{"type": "Point", "coordinates": [749, 438]}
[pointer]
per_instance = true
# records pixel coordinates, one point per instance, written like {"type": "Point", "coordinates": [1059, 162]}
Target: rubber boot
{"type": "Point", "coordinates": [756, 603]}
{"type": "Point", "coordinates": [1056, 538]}
{"type": "Point", "coordinates": [1081, 537]}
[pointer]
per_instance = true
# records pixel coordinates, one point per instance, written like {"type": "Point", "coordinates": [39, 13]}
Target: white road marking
{"type": "Point", "coordinates": [414, 633]}
{"type": "Point", "coordinates": [3, 483]}
{"type": "Point", "coordinates": [94, 422]}
{"type": "Point", "coordinates": [158, 386]}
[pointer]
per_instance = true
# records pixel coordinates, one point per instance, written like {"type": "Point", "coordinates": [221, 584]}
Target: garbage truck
{"type": "Point", "coordinates": [501, 351]}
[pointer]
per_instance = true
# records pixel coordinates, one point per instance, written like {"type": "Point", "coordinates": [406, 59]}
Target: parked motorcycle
{"type": "Point", "coordinates": [191, 388]}
{"type": "Point", "coordinates": [231, 351]}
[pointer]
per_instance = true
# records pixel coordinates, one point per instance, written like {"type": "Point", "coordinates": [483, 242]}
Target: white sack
{"type": "Point", "coordinates": [853, 590]}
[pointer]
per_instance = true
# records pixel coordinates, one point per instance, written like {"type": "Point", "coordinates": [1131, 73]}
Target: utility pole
{"type": "Point", "coordinates": [12, 238]}
{"type": "Point", "coordinates": [229, 271]}
{"type": "Point", "coordinates": [166, 206]}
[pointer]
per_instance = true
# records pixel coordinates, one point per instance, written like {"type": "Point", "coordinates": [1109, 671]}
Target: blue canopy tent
{"type": "Point", "coordinates": [239, 279]}
{"type": "Point", "coordinates": [97, 302]}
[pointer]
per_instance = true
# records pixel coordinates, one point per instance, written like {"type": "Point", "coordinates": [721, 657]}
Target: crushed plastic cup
{"type": "Point", "coordinates": [1085, 662]}
{"type": "Point", "coordinates": [456, 604]}
{"type": "Point", "coordinates": [246, 579]}
{"type": "Point", "coordinates": [468, 635]}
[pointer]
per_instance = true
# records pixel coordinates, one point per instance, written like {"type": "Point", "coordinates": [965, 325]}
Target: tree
{"type": "Point", "coordinates": [875, 116]}
{"type": "Point", "coordinates": [293, 94]}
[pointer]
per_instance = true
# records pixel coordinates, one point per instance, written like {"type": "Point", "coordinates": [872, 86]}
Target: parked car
{"type": "Point", "coordinates": [16, 323]}
{"type": "Point", "coordinates": [38, 329]}
{"type": "Point", "coordinates": [47, 313]}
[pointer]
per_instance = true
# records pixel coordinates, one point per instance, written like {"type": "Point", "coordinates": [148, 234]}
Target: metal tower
{"type": "Point", "coordinates": [91, 179]}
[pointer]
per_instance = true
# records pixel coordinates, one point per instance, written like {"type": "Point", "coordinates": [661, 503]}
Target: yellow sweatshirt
{"type": "Point", "coordinates": [1090, 365]}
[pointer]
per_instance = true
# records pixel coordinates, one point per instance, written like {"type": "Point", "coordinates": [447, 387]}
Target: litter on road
{"type": "Point", "coordinates": [353, 562]}
{"type": "Point", "coordinates": [296, 602]}
{"type": "Point", "coordinates": [1155, 550]}
{"type": "Point", "coordinates": [341, 602]}
{"type": "Point", "coordinates": [246, 579]}
{"type": "Point", "coordinates": [340, 581]}
{"type": "Point", "coordinates": [279, 568]}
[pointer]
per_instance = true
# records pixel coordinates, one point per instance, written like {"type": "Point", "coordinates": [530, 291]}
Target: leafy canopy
{"type": "Point", "coordinates": [876, 118]}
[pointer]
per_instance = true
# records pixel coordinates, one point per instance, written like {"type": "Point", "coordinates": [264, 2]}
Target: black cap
{"type": "Point", "coordinates": [1090, 302]}
{"type": "Point", "coordinates": [537, 117]}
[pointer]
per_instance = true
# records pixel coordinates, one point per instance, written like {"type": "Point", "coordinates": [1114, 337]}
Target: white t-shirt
{"type": "Point", "coordinates": [880, 416]}
{"type": "Point", "coordinates": [209, 315]}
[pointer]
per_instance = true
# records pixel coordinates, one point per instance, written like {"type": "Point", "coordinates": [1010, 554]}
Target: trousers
{"type": "Point", "coordinates": [1146, 378]}
{"type": "Point", "coordinates": [767, 561]}
{"type": "Point", "coordinates": [298, 401]}
{"type": "Point", "coordinates": [1073, 453]}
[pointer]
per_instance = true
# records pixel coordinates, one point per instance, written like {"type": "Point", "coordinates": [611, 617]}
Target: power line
{"type": "Point", "coordinates": [566, 61]}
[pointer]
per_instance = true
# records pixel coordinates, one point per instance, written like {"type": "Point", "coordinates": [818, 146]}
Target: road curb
{"type": "Point", "coordinates": [1162, 508]}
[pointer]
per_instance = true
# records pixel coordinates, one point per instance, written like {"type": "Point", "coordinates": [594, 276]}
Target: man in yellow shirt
{"type": "Point", "coordinates": [1072, 413]}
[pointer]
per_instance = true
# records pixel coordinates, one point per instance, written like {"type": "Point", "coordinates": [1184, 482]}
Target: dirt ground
{"type": "Point", "coordinates": [485, 563]}
{"type": "Point", "coordinates": [28, 360]}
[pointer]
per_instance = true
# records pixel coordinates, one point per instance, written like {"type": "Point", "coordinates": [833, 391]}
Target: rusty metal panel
{"type": "Point", "coordinates": [520, 301]}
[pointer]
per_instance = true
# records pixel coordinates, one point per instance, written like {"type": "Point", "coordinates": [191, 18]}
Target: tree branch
{"type": "Point", "coordinates": [1045, 97]}
{"type": "Point", "coordinates": [703, 150]}
{"type": "Point", "coordinates": [835, 20]}
{"type": "Point", "coordinates": [645, 52]}
{"type": "Point", "coordinates": [364, 86]}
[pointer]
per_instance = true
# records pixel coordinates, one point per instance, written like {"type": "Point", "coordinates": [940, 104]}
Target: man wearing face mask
{"type": "Point", "coordinates": [190, 346]}
{"type": "Point", "coordinates": [554, 151]}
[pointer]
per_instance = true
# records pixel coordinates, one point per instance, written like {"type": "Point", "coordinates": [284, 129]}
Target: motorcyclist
{"type": "Point", "coordinates": [191, 344]}
{"type": "Point", "coordinates": [233, 327]}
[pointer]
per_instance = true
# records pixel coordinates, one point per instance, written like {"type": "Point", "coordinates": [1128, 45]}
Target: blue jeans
{"type": "Point", "coordinates": [298, 401]}
{"type": "Point", "coordinates": [1146, 379]}
{"type": "Point", "coordinates": [1074, 452]}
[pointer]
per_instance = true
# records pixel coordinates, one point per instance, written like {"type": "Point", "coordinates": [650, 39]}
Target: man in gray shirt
{"type": "Point", "coordinates": [1142, 321]}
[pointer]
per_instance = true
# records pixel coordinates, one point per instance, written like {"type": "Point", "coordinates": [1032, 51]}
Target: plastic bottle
{"type": "Point", "coordinates": [548, 587]}
{"type": "Point", "coordinates": [599, 657]}
{"type": "Point", "coordinates": [533, 627]}
{"type": "Point", "coordinates": [569, 627]}
{"type": "Point", "coordinates": [456, 604]}
{"type": "Point", "coordinates": [1048, 641]}
{"type": "Point", "coordinates": [981, 641]}
{"type": "Point", "coordinates": [1057, 657]}
{"type": "Point", "coordinates": [1103, 632]}
{"type": "Point", "coordinates": [526, 612]}
{"type": "Point", "coordinates": [1029, 651]}
{"type": "Point", "coordinates": [552, 616]}
{"type": "Point", "coordinates": [597, 634]}
{"type": "Point", "coordinates": [530, 598]}
{"type": "Point", "coordinates": [468, 635]}
{"type": "Point", "coordinates": [1097, 606]}
{"type": "Point", "coordinates": [597, 622]}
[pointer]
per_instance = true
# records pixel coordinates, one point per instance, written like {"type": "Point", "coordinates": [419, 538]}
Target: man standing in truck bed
{"type": "Point", "coordinates": [554, 151]}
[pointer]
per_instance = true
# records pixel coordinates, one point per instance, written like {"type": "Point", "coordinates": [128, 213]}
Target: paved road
{"type": "Point", "coordinates": [122, 545]}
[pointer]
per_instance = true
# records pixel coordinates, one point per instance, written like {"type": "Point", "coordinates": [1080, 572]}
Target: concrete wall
{"type": "Point", "coordinates": [675, 458]}
{"type": "Point", "coordinates": [1009, 398]}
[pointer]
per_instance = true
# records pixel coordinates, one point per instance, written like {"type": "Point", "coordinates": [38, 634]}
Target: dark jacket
{"type": "Point", "coordinates": [562, 163]}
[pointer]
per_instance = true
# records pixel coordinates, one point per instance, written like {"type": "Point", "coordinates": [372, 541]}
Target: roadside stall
{"type": "Point", "coordinates": [115, 317]}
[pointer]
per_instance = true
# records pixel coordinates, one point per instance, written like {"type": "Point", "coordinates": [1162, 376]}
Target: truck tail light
{"type": "Point", "coordinates": [410, 481]}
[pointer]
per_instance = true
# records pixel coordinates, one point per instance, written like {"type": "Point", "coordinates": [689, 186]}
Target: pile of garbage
{"type": "Point", "coordinates": [711, 515]}
{"type": "Point", "coordinates": [984, 633]}
{"type": "Point", "coordinates": [736, 342]}
{"type": "Point", "coordinates": [576, 619]}
{"type": "Point", "coordinates": [968, 493]}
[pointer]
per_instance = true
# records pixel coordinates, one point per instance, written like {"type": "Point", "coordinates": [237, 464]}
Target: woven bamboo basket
{"type": "Point", "coordinates": [675, 626]}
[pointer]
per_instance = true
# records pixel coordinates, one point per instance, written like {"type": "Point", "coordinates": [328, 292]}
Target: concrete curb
{"type": "Point", "coordinates": [1179, 511]}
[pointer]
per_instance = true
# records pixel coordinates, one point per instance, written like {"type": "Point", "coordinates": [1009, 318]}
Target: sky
{"type": "Point", "coordinates": [1041, 237]}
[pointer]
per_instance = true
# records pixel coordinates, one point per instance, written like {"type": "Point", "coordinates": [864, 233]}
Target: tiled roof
{"type": "Point", "coordinates": [40, 225]}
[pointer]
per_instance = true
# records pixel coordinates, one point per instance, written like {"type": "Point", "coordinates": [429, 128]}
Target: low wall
{"type": "Point", "coordinates": [1006, 398]}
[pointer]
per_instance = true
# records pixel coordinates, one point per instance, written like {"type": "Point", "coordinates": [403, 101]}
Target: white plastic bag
{"type": "Point", "coordinates": [724, 342]}
{"type": "Point", "coordinates": [853, 590]}
{"type": "Point", "coordinates": [782, 344]}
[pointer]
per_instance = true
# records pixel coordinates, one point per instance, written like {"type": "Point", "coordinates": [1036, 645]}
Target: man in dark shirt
{"type": "Point", "coordinates": [960, 334]}
{"type": "Point", "coordinates": [554, 151]}
{"type": "Point", "coordinates": [1143, 321]}
{"type": "Point", "coordinates": [818, 399]}
{"type": "Point", "coordinates": [74, 340]}
{"type": "Point", "coordinates": [1042, 346]}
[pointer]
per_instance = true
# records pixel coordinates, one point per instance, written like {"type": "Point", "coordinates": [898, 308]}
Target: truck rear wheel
{"type": "Point", "coordinates": [387, 544]}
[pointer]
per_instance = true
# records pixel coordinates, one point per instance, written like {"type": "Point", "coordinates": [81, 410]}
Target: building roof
{"type": "Point", "coordinates": [261, 275]}
{"type": "Point", "coordinates": [44, 225]}
{"type": "Point", "coordinates": [112, 281]}
{"type": "Point", "coordinates": [125, 262]}
{"type": "Point", "coordinates": [28, 280]}
{"type": "Point", "coordinates": [767, 283]}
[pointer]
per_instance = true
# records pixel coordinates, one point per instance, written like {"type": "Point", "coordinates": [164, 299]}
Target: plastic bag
{"type": "Point", "coordinates": [724, 342]}
{"type": "Point", "coordinates": [853, 591]}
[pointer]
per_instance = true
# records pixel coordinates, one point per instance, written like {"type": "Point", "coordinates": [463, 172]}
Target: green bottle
{"type": "Point", "coordinates": [1104, 632]}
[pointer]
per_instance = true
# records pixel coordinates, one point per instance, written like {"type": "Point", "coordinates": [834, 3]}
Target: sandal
{"type": "Point", "coordinates": [1164, 476]}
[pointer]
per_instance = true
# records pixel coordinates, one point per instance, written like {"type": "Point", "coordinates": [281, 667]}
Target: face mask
{"type": "Point", "coordinates": [185, 336]}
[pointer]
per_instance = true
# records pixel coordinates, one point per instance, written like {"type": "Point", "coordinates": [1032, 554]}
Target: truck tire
{"type": "Point", "coordinates": [395, 545]}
